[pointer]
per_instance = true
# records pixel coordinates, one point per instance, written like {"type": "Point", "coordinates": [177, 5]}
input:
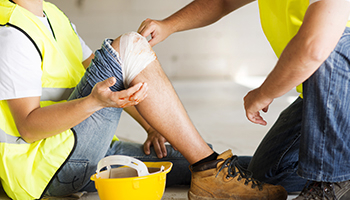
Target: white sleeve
{"type": "Point", "coordinates": [20, 65]}
{"type": "Point", "coordinates": [86, 49]}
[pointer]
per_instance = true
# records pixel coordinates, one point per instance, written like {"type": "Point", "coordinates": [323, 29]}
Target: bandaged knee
{"type": "Point", "coordinates": [136, 54]}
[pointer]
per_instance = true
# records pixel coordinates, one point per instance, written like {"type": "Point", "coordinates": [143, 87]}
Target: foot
{"type": "Point", "coordinates": [324, 190]}
{"type": "Point", "coordinates": [225, 179]}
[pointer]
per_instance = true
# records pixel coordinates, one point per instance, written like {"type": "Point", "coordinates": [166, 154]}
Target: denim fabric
{"type": "Point", "coordinates": [311, 137]}
{"type": "Point", "coordinates": [276, 159]}
{"type": "Point", "coordinates": [94, 135]}
{"type": "Point", "coordinates": [325, 142]}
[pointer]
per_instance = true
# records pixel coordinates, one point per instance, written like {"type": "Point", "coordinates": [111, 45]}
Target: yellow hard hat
{"type": "Point", "coordinates": [134, 180]}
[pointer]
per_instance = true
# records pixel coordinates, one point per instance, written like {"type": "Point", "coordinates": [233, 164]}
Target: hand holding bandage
{"type": "Point", "coordinates": [105, 97]}
{"type": "Point", "coordinates": [135, 55]}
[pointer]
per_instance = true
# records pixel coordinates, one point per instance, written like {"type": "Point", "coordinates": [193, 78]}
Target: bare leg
{"type": "Point", "coordinates": [163, 110]}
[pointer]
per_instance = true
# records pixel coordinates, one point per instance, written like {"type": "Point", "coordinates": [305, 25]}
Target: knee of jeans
{"type": "Point", "coordinates": [72, 177]}
{"type": "Point", "coordinates": [274, 173]}
{"type": "Point", "coordinates": [136, 54]}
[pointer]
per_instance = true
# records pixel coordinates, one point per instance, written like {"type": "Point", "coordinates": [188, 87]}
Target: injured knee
{"type": "Point", "coordinates": [136, 54]}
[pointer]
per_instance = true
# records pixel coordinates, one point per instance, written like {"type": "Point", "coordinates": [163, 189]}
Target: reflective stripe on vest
{"type": "Point", "coordinates": [55, 94]}
{"type": "Point", "coordinates": [5, 138]}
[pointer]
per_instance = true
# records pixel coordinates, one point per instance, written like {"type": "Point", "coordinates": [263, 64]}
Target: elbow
{"type": "Point", "coordinates": [27, 136]}
{"type": "Point", "coordinates": [315, 47]}
{"type": "Point", "coordinates": [316, 52]}
{"type": "Point", "coordinates": [312, 49]}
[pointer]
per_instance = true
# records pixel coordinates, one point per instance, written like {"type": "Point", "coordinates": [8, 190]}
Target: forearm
{"type": "Point", "coordinates": [44, 122]}
{"type": "Point", "coordinates": [292, 69]}
{"type": "Point", "coordinates": [35, 122]}
{"type": "Point", "coordinates": [200, 13]}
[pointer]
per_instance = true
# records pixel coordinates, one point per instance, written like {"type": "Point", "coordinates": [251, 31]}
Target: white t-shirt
{"type": "Point", "coordinates": [20, 63]}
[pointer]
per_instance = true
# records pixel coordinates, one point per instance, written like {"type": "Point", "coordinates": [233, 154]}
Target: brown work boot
{"type": "Point", "coordinates": [225, 179]}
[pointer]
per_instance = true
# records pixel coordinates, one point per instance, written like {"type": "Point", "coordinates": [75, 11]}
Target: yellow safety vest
{"type": "Point", "coordinates": [26, 169]}
{"type": "Point", "coordinates": [281, 20]}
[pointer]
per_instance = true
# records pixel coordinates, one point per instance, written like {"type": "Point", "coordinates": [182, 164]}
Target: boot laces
{"type": "Point", "coordinates": [235, 169]}
{"type": "Point", "coordinates": [320, 190]}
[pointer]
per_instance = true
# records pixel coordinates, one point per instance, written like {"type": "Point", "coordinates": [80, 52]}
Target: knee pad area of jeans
{"type": "Point", "coordinates": [135, 54]}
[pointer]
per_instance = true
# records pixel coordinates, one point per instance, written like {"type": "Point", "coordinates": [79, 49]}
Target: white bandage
{"type": "Point", "coordinates": [135, 54]}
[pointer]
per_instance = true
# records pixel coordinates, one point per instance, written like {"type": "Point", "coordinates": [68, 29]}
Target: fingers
{"type": "Point", "coordinates": [146, 147]}
{"type": "Point", "coordinates": [158, 144]}
{"type": "Point", "coordinates": [140, 30]}
{"type": "Point", "coordinates": [130, 91]}
{"type": "Point", "coordinates": [157, 29]}
{"type": "Point", "coordinates": [159, 148]}
{"type": "Point", "coordinates": [162, 149]}
{"type": "Point", "coordinates": [152, 42]}
{"type": "Point", "coordinates": [256, 118]}
{"type": "Point", "coordinates": [146, 28]}
{"type": "Point", "coordinates": [265, 109]}
{"type": "Point", "coordinates": [140, 94]}
{"type": "Point", "coordinates": [254, 102]}
{"type": "Point", "coordinates": [107, 83]}
{"type": "Point", "coordinates": [103, 96]}
{"type": "Point", "coordinates": [132, 96]}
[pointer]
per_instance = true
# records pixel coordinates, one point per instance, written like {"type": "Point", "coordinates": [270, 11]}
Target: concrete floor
{"type": "Point", "coordinates": [216, 109]}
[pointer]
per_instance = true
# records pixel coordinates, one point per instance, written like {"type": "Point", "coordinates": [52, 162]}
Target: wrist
{"type": "Point", "coordinates": [92, 103]}
{"type": "Point", "coordinates": [264, 94]}
{"type": "Point", "coordinates": [172, 26]}
{"type": "Point", "coordinates": [149, 129]}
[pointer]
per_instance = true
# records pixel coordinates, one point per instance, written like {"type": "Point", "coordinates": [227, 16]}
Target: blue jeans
{"type": "Point", "coordinates": [94, 135]}
{"type": "Point", "coordinates": [311, 138]}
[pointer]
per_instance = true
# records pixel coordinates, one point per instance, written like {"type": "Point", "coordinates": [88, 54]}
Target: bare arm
{"type": "Point", "coordinates": [201, 13]}
{"type": "Point", "coordinates": [34, 122]}
{"type": "Point", "coordinates": [322, 28]}
{"type": "Point", "coordinates": [198, 13]}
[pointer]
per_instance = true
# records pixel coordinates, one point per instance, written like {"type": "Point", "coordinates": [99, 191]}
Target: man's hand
{"type": "Point", "coordinates": [156, 140]}
{"type": "Point", "coordinates": [255, 101]}
{"type": "Point", "coordinates": [105, 97]}
{"type": "Point", "coordinates": [158, 30]}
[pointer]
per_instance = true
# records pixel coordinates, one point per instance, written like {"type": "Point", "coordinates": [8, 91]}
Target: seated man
{"type": "Point", "coordinates": [50, 144]}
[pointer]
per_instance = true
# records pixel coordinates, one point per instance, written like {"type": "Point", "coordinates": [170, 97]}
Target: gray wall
{"type": "Point", "coordinates": [233, 47]}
